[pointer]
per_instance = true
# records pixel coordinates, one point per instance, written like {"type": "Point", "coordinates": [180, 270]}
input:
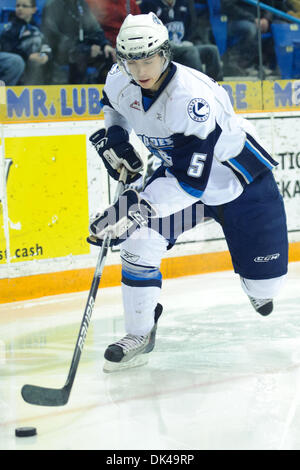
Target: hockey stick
{"type": "Point", "coordinates": [44, 396]}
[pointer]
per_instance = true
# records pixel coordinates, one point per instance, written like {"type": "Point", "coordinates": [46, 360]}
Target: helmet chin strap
{"type": "Point", "coordinates": [165, 66]}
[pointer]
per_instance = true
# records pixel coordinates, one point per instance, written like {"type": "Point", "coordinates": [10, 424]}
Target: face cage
{"type": "Point", "coordinates": [164, 50]}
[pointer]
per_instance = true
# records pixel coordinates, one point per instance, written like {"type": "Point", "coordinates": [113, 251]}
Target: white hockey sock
{"type": "Point", "coordinates": [141, 256]}
{"type": "Point", "coordinates": [263, 288]}
{"type": "Point", "coordinates": [139, 305]}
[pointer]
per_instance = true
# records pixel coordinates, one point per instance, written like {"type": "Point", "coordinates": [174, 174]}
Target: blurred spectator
{"type": "Point", "coordinates": [12, 67]}
{"type": "Point", "coordinates": [77, 41]}
{"type": "Point", "coordinates": [22, 36]}
{"type": "Point", "coordinates": [286, 6]}
{"type": "Point", "coordinates": [243, 27]}
{"type": "Point", "coordinates": [295, 10]}
{"type": "Point", "coordinates": [269, 57]}
{"type": "Point", "coordinates": [110, 14]}
{"type": "Point", "coordinates": [242, 34]}
{"type": "Point", "coordinates": [176, 16]}
{"type": "Point", "coordinates": [282, 5]}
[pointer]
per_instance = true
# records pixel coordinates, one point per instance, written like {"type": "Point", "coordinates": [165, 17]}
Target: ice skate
{"type": "Point", "coordinates": [262, 306]}
{"type": "Point", "coordinates": [130, 351]}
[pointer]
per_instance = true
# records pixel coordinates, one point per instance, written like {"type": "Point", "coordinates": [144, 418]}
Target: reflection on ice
{"type": "Point", "coordinates": [220, 377]}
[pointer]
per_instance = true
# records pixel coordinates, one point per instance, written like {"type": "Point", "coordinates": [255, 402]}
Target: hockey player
{"type": "Point", "coordinates": [210, 157]}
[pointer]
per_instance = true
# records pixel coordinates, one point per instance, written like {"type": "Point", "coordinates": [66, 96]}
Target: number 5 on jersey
{"type": "Point", "coordinates": [197, 165]}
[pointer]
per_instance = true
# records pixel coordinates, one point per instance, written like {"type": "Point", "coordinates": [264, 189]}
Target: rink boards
{"type": "Point", "coordinates": [52, 179]}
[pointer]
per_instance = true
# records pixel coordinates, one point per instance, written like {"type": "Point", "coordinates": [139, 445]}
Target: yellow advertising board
{"type": "Point", "coordinates": [52, 103]}
{"type": "Point", "coordinates": [245, 96]}
{"type": "Point", "coordinates": [83, 102]}
{"type": "Point", "coordinates": [281, 95]}
{"type": "Point", "coordinates": [47, 197]}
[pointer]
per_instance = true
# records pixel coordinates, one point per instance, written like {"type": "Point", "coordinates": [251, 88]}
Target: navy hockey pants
{"type": "Point", "coordinates": [255, 229]}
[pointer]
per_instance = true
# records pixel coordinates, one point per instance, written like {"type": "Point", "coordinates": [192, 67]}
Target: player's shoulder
{"type": "Point", "coordinates": [116, 76]}
{"type": "Point", "coordinates": [191, 99]}
{"type": "Point", "coordinates": [189, 83]}
{"type": "Point", "coordinates": [116, 80]}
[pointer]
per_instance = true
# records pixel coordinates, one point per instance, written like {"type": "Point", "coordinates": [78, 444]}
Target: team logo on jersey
{"type": "Point", "coordinates": [114, 69]}
{"type": "Point", "coordinates": [136, 105]}
{"type": "Point", "coordinates": [198, 109]}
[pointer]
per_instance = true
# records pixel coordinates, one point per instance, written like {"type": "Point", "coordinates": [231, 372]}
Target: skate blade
{"type": "Point", "coordinates": [138, 361]}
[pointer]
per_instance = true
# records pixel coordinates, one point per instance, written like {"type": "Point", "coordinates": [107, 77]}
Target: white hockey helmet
{"type": "Point", "coordinates": [142, 36]}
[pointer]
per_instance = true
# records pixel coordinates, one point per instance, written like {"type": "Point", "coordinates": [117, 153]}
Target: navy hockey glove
{"type": "Point", "coordinates": [114, 148]}
{"type": "Point", "coordinates": [121, 219]}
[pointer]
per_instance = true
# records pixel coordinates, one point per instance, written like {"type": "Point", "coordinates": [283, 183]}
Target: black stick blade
{"type": "Point", "coordinates": [45, 396]}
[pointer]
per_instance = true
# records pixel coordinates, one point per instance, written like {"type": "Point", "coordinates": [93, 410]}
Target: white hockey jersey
{"type": "Point", "coordinates": [191, 126]}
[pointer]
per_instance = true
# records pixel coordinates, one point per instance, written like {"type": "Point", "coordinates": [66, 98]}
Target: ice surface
{"type": "Point", "coordinates": [220, 377]}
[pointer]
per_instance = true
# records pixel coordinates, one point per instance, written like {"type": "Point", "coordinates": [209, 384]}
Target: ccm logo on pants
{"type": "Point", "coordinates": [264, 259]}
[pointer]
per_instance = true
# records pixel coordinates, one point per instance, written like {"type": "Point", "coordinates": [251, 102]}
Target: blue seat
{"type": "Point", "coordinates": [200, 7]}
{"type": "Point", "coordinates": [38, 16]}
{"type": "Point", "coordinates": [9, 4]}
{"type": "Point", "coordinates": [218, 24]}
{"type": "Point", "coordinates": [219, 27]}
{"type": "Point", "coordinates": [40, 4]}
{"type": "Point", "coordinates": [5, 14]}
{"type": "Point", "coordinates": [287, 44]}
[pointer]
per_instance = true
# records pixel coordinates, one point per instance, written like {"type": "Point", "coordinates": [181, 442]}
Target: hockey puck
{"type": "Point", "coordinates": [25, 432]}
